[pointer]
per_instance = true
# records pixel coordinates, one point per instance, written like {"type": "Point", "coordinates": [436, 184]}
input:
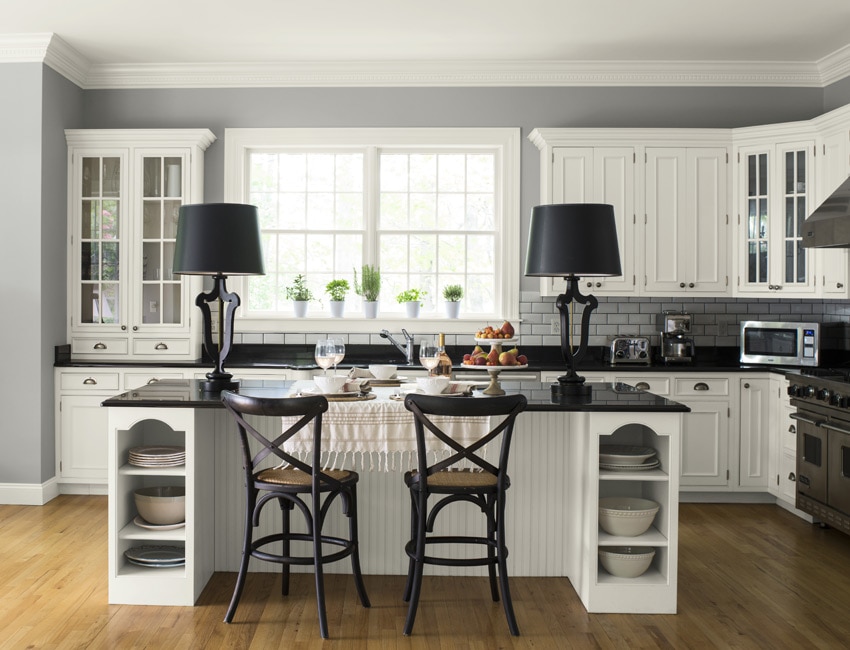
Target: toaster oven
{"type": "Point", "coordinates": [630, 349]}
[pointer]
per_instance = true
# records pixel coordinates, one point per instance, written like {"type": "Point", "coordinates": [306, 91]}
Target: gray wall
{"type": "Point", "coordinates": [836, 95]}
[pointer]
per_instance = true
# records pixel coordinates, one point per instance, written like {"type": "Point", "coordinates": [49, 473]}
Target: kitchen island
{"type": "Point", "coordinates": [552, 523]}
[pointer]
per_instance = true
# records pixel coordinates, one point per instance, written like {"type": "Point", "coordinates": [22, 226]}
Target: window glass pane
{"type": "Point", "coordinates": [393, 252]}
{"type": "Point", "coordinates": [480, 171]}
{"type": "Point", "coordinates": [423, 211]}
{"type": "Point", "coordinates": [451, 172]}
{"type": "Point", "coordinates": [320, 173]}
{"type": "Point", "coordinates": [394, 173]}
{"type": "Point", "coordinates": [452, 256]}
{"type": "Point", "coordinates": [110, 219]}
{"type": "Point", "coordinates": [293, 211]}
{"type": "Point", "coordinates": [320, 211]}
{"type": "Point", "coordinates": [393, 211]}
{"type": "Point", "coordinates": [423, 173]}
{"type": "Point", "coordinates": [451, 210]}
{"type": "Point", "coordinates": [480, 211]}
{"type": "Point", "coordinates": [293, 172]}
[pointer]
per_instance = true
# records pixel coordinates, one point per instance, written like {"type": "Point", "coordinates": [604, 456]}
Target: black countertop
{"type": "Point", "coordinates": [604, 398]}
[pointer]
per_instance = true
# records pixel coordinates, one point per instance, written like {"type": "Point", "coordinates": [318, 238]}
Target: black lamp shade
{"type": "Point", "coordinates": [573, 239]}
{"type": "Point", "coordinates": [218, 239]}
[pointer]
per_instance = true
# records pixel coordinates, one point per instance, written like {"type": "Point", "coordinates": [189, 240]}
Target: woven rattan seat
{"type": "Point", "coordinates": [461, 475]}
{"type": "Point", "coordinates": [293, 483]}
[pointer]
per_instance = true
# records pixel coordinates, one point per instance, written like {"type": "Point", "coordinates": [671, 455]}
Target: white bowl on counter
{"type": "Point", "coordinates": [382, 371]}
{"type": "Point", "coordinates": [626, 561]}
{"type": "Point", "coordinates": [161, 505]}
{"type": "Point", "coordinates": [626, 516]}
{"type": "Point", "coordinates": [432, 385]}
{"type": "Point", "coordinates": [328, 384]}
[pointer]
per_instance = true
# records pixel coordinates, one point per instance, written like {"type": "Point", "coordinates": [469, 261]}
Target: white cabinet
{"type": "Point", "coordinates": [832, 165]}
{"type": "Point", "coordinates": [669, 189]}
{"type": "Point", "coordinates": [774, 198]}
{"type": "Point", "coordinates": [756, 422]}
{"type": "Point", "coordinates": [704, 461]}
{"type": "Point", "coordinates": [125, 188]}
{"type": "Point", "coordinates": [686, 217]}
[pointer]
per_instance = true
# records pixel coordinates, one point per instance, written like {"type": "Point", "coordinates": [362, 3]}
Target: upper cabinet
{"type": "Point", "coordinates": [694, 220]}
{"type": "Point", "coordinates": [125, 190]}
{"type": "Point", "coordinates": [669, 192]}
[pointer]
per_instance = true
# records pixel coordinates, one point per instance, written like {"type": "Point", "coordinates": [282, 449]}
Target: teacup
{"type": "Point", "coordinates": [382, 371]}
{"type": "Point", "coordinates": [432, 385]}
{"type": "Point", "coordinates": [330, 384]}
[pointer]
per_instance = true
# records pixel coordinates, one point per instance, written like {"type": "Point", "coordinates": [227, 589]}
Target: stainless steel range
{"type": "Point", "coordinates": [822, 398]}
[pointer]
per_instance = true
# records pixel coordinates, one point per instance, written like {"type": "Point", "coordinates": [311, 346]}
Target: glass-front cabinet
{"type": "Point", "coordinates": [126, 188]}
{"type": "Point", "coordinates": [774, 190]}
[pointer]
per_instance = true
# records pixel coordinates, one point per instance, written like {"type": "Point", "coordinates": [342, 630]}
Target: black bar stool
{"type": "Point", "coordinates": [285, 484]}
{"type": "Point", "coordinates": [478, 482]}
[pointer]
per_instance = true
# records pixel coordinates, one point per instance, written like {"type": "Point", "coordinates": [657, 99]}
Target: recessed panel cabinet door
{"type": "Point", "coordinates": [705, 445]}
{"type": "Point", "coordinates": [83, 445]}
{"type": "Point", "coordinates": [755, 428]}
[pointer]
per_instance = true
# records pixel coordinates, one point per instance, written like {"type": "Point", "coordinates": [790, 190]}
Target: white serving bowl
{"type": "Point", "coordinates": [163, 504]}
{"type": "Point", "coordinates": [330, 383]}
{"type": "Point", "coordinates": [382, 371]}
{"type": "Point", "coordinates": [433, 385]}
{"type": "Point", "coordinates": [626, 516]}
{"type": "Point", "coordinates": [626, 561]}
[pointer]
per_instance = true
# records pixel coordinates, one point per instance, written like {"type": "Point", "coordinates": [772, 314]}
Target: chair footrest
{"type": "Point", "coordinates": [258, 552]}
{"type": "Point", "coordinates": [410, 549]}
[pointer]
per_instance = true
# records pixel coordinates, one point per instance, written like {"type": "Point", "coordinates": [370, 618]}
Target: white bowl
{"type": "Point", "coordinates": [626, 516]}
{"type": "Point", "coordinates": [164, 504]}
{"type": "Point", "coordinates": [330, 383]}
{"type": "Point", "coordinates": [626, 561]}
{"type": "Point", "coordinates": [382, 371]}
{"type": "Point", "coordinates": [433, 385]}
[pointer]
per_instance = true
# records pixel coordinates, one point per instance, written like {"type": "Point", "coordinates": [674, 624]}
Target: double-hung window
{"type": "Point", "coordinates": [428, 207]}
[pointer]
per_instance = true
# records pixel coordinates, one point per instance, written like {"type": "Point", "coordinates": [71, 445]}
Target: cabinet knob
{"type": "Point", "coordinates": [160, 346]}
{"type": "Point", "coordinates": [691, 285]}
{"type": "Point", "coordinates": [90, 381]}
{"type": "Point", "coordinates": [642, 385]}
{"type": "Point", "coordinates": [746, 385]}
{"type": "Point", "coordinates": [589, 285]}
{"type": "Point", "coordinates": [135, 328]}
{"type": "Point", "coordinates": [792, 477]}
{"type": "Point", "coordinates": [100, 346]}
{"type": "Point", "coordinates": [123, 328]}
{"type": "Point", "coordinates": [839, 285]}
{"type": "Point", "coordinates": [598, 284]}
{"type": "Point", "coordinates": [792, 429]}
{"type": "Point", "coordinates": [682, 285]}
{"type": "Point", "coordinates": [152, 380]}
{"type": "Point", "coordinates": [700, 385]}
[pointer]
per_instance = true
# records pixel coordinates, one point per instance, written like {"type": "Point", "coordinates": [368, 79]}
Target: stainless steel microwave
{"type": "Point", "coordinates": [781, 344]}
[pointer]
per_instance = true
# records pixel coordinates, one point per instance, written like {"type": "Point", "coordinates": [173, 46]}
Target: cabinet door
{"type": "Point", "coordinates": [754, 432]}
{"type": "Point", "coordinates": [792, 266]}
{"type": "Point", "coordinates": [832, 169]}
{"type": "Point", "coordinates": [705, 444]}
{"type": "Point", "coordinates": [98, 240]}
{"type": "Point", "coordinates": [599, 175]}
{"type": "Point", "coordinates": [686, 221]}
{"type": "Point", "coordinates": [82, 437]}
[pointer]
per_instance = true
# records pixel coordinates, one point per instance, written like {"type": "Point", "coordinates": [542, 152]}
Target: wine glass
{"type": "Point", "coordinates": [338, 350]}
{"type": "Point", "coordinates": [429, 355]}
{"type": "Point", "coordinates": [324, 354]}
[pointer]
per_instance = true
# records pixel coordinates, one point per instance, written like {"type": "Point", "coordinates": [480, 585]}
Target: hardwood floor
{"type": "Point", "coordinates": [750, 576]}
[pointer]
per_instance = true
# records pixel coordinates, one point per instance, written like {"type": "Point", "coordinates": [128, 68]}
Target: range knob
{"type": "Point", "coordinates": [794, 390]}
{"type": "Point", "coordinates": [838, 400]}
{"type": "Point", "coordinates": [824, 394]}
{"type": "Point", "coordinates": [808, 391]}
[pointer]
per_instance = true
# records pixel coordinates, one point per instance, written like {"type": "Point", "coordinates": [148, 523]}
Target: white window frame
{"type": "Point", "coordinates": [240, 142]}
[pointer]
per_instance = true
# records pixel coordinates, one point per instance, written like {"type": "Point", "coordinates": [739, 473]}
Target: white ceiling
{"type": "Point", "coordinates": [775, 35]}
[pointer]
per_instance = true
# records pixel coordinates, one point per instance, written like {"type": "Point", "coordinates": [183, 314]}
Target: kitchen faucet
{"type": "Point", "coordinates": [406, 349]}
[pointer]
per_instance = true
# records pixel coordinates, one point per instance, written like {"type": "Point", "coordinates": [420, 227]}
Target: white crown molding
{"type": "Point", "coordinates": [456, 73]}
{"type": "Point", "coordinates": [56, 53]}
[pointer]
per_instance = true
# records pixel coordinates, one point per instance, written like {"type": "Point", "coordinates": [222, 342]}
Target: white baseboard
{"type": "Point", "coordinates": [84, 488]}
{"type": "Point", "coordinates": [726, 497]}
{"type": "Point", "coordinates": [28, 494]}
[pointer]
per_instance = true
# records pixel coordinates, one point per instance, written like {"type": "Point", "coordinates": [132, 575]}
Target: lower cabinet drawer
{"type": "Point", "coordinates": [656, 385]}
{"type": "Point", "coordinates": [89, 381]}
{"type": "Point", "coordinates": [100, 346]}
{"type": "Point", "coordinates": [139, 379]}
{"type": "Point", "coordinates": [701, 386]}
{"type": "Point", "coordinates": [161, 347]}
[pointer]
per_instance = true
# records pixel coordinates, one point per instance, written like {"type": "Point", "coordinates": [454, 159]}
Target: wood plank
{"type": "Point", "coordinates": [751, 576]}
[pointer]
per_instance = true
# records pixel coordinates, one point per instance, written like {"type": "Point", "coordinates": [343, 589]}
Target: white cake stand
{"type": "Point", "coordinates": [494, 388]}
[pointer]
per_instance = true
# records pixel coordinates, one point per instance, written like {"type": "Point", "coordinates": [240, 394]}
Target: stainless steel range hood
{"type": "Point", "coordinates": [829, 225]}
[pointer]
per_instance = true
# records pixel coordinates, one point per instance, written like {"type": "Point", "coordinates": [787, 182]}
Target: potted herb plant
{"type": "Point", "coordinates": [368, 289]}
{"type": "Point", "coordinates": [452, 294]}
{"type": "Point", "coordinates": [411, 299]}
{"type": "Point", "coordinates": [337, 289]}
{"type": "Point", "coordinates": [300, 295]}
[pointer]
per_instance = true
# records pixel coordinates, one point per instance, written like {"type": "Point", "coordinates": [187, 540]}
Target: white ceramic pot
{"type": "Point", "coordinates": [412, 308]}
{"type": "Point", "coordinates": [300, 308]}
{"type": "Point", "coordinates": [337, 308]}
{"type": "Point", "coordinates": [370, 308]}
{"type": "Point", "coordinates": [452, 309]}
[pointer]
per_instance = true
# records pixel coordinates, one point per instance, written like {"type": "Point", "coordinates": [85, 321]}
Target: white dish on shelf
{"type": "Point", "coordinates": [502, 341]}
{"type": "Point", "coordinates": [624, 454]}
{"type": "Point", "coordinates": [142, 523]}
{"type": "Point", "coordinates": [156, 555]}
{"type": "Point", "coordinates": [626, 561]}
{"type": "Point", "coordinates": [640, 467]}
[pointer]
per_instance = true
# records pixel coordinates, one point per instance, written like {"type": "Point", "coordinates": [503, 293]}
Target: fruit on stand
{"type": "Point", "coordinates": [506, 331]}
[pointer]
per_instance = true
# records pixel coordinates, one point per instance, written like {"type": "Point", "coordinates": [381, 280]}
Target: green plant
{"type": "Point", "coordinates": [337, 289]}
{"type": "Point", "coordinates": [452, 292]}
{"type": "Point", "coordinates": [371, 285]}
{"type": "Point", "coordinates": [299, 290]}
{"type": "Point", "coordinates": [411, 295]}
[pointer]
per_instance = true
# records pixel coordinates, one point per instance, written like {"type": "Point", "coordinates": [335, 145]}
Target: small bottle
{"type": "Point", "coordinates": [444, 368]}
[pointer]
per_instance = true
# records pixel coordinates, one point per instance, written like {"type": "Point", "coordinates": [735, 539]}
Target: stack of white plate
{"type": "Point", "coordinates": [156, 556]}
{"type": "Point", "coordinates": [157, 456]}
{"type": "Point", "coordinates": [627, 458]}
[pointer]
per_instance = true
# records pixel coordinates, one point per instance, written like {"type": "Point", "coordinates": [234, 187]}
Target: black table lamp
{"type": "Point", "coordinates": [573, 240]}
{"type": "Point", "coordinates": [218, 239]}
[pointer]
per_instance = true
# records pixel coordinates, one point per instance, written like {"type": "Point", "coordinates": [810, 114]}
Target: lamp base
{"type": "Point", "coordinates": [570, 389]}
{"type": "Point", "coordinates": [220, 383]}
